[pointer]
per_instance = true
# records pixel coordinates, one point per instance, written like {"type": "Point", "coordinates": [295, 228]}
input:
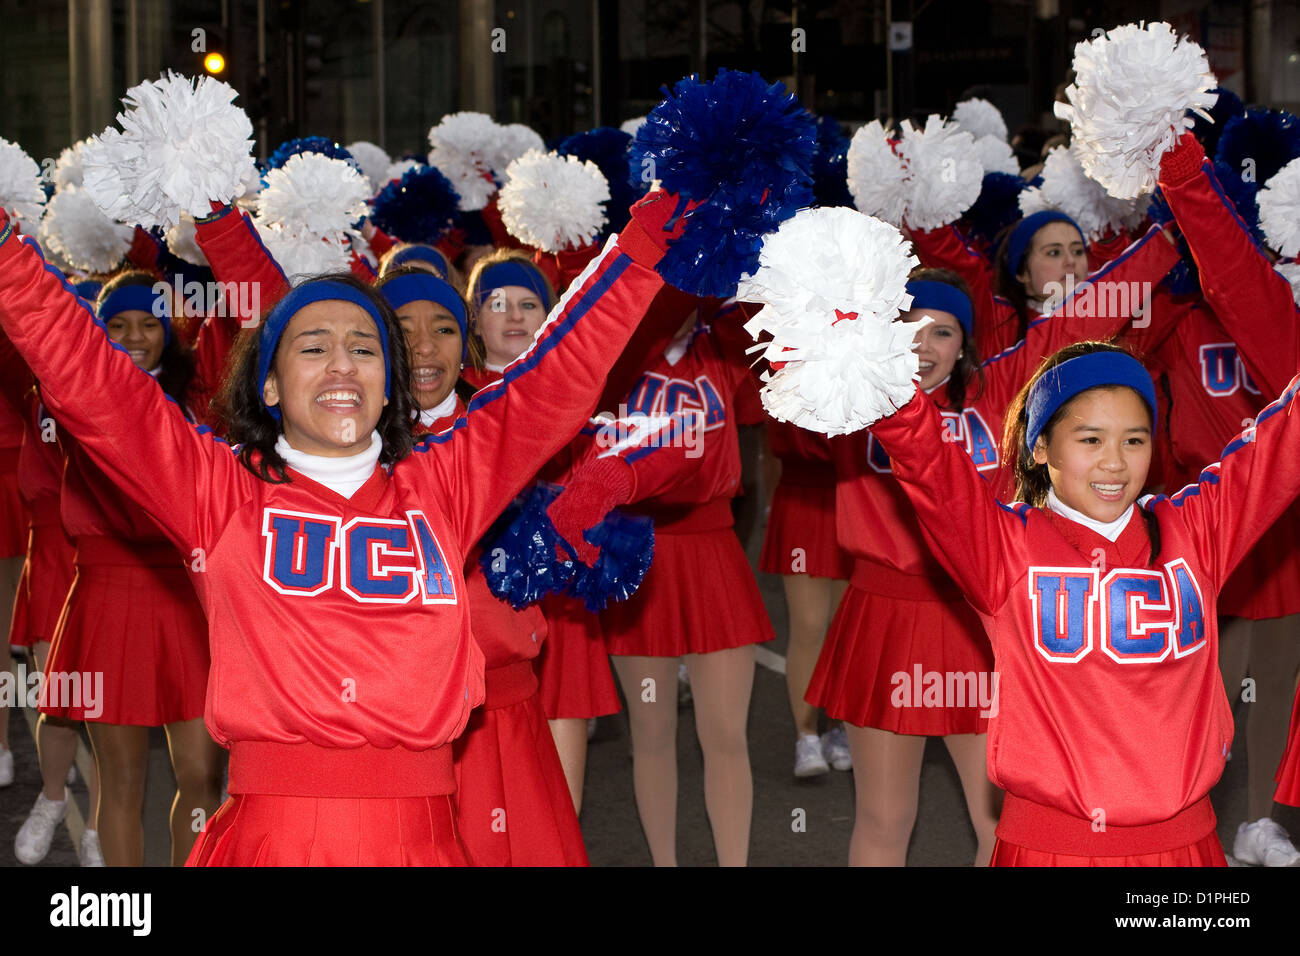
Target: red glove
{"type": "Point", "coordinates": [1182, 162]}
{"type": "Point", "coordinates": [563, 267]}
{"type": "Point", "coordinates": [592, 492]}
{"type": "Point", "coordinates": [144, 251]}
{"type": "Point", "coordinates": [646, 237]}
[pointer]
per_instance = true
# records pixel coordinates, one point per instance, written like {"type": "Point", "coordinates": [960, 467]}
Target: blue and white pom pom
{"type": "Point", "coordinates": [743, 149]}
{"type": "Point", "coordinates": [302, 256]}
{"type": "Point", "coordinates": [1291, 272]}
{"type": "Point", "coordinates": [314, 195]}
{"type": "Point", "coordinates": [373, 162]}
{"type": "Point", "coordinates": [980, 118]}
{"type": "Point", "coordinates": [464, 146]}
{"type": "Point", "coordinates": [1068, 189]}
{"type": "Point", "coordinates": [944, 174]}
{"type": "Point", "coordinates": [520, 560]}
{"type": "Point", "coordinates": [627, 547]}
{"type": "Point", "coordinates": [21, 194]}
{"type": "Point", "coordinates": [1129, 103]}
{"type": "Point", "coordinates": [996, 156]}
{"type": "Point", "coordinates": [1279, 210]}
{"type": "Point", "coordinates": [877, 178]}
{"type": "Point", "coordinates": [183, 145]}
{"type": "Point", "coordinates": [419, 206]}
{"type": "Point", "coordinates": [609, 149]}
{"type": "Point", "coordinates": [513, 141]}
{"type": "Point", "coordinates": [81, 235]}
{"type": "Point", "coordinates": [630, 126]}
{"type": "Point", "coordinates": [831, 282]}
{"type": "Point", "coordinates": [553, 203]}
{"type": "Point", "coordinates": [401, 168]}
{"type": "Point", "coordinates": [830, 164]}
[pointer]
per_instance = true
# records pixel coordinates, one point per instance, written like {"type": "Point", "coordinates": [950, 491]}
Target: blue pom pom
{"type": "Point", "coordinates": [608, 149]}
{"type": "Point", "coordinates": [1227, 106]}
{"type": "Point", "coordinates": [1259, 142]}
{"type": "Point", "coordinates": [1243, 194]}
{"type": "Point", "coordinates": [419, 207]}
{"type": "Point", "coordinates": [831, 164]}
{"type": "Point", "coordinates": [744, 150]}
{"type": "Point", "coordinates": [1184, 278]}
{"type": "Point", "coordinates": [997, 207]}
{"type": "Point", "coordinates": [520, 562]}
{"type": "Point", "coordinates": [306, 144]}
{"type": "Point", "coordinates": [627, 546]}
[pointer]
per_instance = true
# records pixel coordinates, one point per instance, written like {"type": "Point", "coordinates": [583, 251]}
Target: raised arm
{"type": "Point", "coordinates": [1249, 296]}
{"type": "Point", "coordinates": [241, 264]}
{"type": "Point", "coordinates": [186, 479]}
{"type": "Point", "coordinates": [944, 248]}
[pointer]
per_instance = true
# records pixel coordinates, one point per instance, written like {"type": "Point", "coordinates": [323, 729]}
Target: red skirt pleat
{"type": "Point", "coordinates": [43, 588]}
{"type": "Point", "coordinates": [699, 596]}
{"type": "Point", "coordinates": [255, 829]}
{"type": "Point", "coordinates": [1207, 851]}
{"type": "Point", "coordinates": [866, 673]}
{"type": "Point", "coordinates": [800, 536]}
{"type": "Point", "coordinates": [514, 803]}
{"type": "Point", "coordinates": [576, 679]}
{"type": "Point", "coordinates": [142, 628]}
{"type": "Point", "coordinates": [1288, 771]}
{"type": "Point", "coordinates": [13, 515]}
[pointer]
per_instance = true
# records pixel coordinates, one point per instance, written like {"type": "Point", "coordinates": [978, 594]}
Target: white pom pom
{"type": "Point", "coordinates": [300, 257]}
{"type": "Point", "coordinates": [183, 146]}
{"type": "Point", "coordinates": [374, 162]}
{"type": "Point", "coordinates": [876, 176]}
{"type": "Point", "coordinates": [21, 194]}
{"type": "Point", "coordinates": [313, 194]}
{"type": "Point", "coordinates": [943, 172]}
{"type": "Point", "coordinates": [831, 282]}
{"type": "Point", "coordinates": [82, 235]}
{"type": "Point", "coordinates": [1129, 101]}
{"type": "Point", "coordinates": [1291, 272]}
{"type": "Point", "coordinates": [1067, 188]}
{"type": "Point", "coordinates": [51, 254]}
{"type": "Point", "coordinates": [980, 118]}
{"type": "Point", "coordinates": [996, 156]}
{"type": "Point", "coordinates": [182, 244]}
{"type": "Point", "coordinates": [69, 169]}
{"type": "Point", "coordinates": [553, 202]}
{"type": "Point", "coordinates": [515, 140]}
{"type": "Point", "coordinates": [398, 170]}
{"type": "Point", "coordinates": [252, 189]}
{"type": "Point", "coordinates": [464, 145]}
{"type": "Point", "coordinates": [632, 125]}
{"type": "Point", "coordinates": [1279, 210]}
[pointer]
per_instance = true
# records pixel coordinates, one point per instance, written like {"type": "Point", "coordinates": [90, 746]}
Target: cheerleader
{"type": "Point", "coordinates": [13, 520]}
{"type": "Point", "coordinates": [511, 299]}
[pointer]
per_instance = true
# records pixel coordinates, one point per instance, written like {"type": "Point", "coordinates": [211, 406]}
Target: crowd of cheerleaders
{"type": "Point", "coordinates": [310, 596]}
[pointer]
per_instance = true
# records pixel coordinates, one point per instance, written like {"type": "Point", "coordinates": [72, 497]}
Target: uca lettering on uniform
{"type": "Point", "coordinates": [224, 299]}
{"type": "Point", "coordinates": [63, 689]}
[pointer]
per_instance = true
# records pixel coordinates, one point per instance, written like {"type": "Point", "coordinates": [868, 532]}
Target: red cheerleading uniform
{"type": "Point", "coordinates": [902, 618]}
{"type": "Point", "coordinates": [342, 658]}
{"type": "Point", "coordinates": [479, 378]}
{"type": "Point", "coordinates": [800, 536]}
{"type": "Point", "coordinates": [13, 513]}
{"type": "Point", "coordinates": [700, 594]}
{"type": "Point", "coordinates": [1112, 723]}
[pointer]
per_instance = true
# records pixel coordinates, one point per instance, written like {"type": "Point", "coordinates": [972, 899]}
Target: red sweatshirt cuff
{"type": "Point", "coordinates": [1181, 163]}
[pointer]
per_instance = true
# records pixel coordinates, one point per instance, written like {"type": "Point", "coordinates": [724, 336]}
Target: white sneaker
{"type": "Point", "coordinates": [683, 686]}
{"type": "Point", "coordinates": [6, 767]}
{"type": "Point", "coordinates": [808, 759]}
{"type": "Point", "coordinates": [835, 747]}
{"type": "Point", "coordinates": [34, 839]}
{"type": "Point", "coordinates": [1264, 843]}
{"type": "Point", "coordinates": [88, 851]}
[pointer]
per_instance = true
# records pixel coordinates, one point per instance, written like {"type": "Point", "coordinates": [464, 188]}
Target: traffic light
{"type": "Point", "coordinates": [208, 44]}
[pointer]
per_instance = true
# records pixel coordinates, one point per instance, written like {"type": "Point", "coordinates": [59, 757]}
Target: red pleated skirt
{"type": "Point", "coordinates": [576, 679]}
{"type": "Point", "coordinates": [1207, 851]}
{"type": "Point", "coordinates": [140, 626]}
{"type": "Point", "coordinates": [879, 657]}
{"type": "Point", "coordinates": [514, 806]}
{"type": "Point", "coordinates": [699, 596]}
{"type": "Point", "coordinates": [1288, 771]}
{"type": "Point", "coordinates": [800, 536]}
{"type": "Point", "coordinates": [43, 588]}
{"type": "Point", "coordinates": [13, 513]}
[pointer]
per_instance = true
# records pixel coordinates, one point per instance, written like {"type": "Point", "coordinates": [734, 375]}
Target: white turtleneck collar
{"type": "Point", "coordinates": [937, 385]}
{"type": "Point", "coordinates": [494, 368]}
{"type": "Point", "coordinates": [155, 370]}
{"type": "Point", "coordinates": [1110, 530]}
{"type": "Point", "coordinates": [343, 476]}
{"type": "Point", "coordinates": [444, 408]}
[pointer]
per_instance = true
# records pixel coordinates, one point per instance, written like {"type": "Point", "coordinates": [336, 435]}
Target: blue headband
{"type": "Point", "coordinates": [1058, 385]}
{"type": "Point", "coordinates": [418, 287]}
{"type": "Point", "coordinates": [324, 290]}
{"type": "Point", "coordinates": [929, 294]}
{"type": "Point", "coordinates": [421, 253]}
{"type": "Point", "coordinates": [512, 272]}
{"type": "Point", "coordinates": [1023, 234]}
{"type": "Point", "coordinates": [138, 298]}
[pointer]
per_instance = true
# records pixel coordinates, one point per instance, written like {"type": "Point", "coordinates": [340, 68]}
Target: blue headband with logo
{"type": "Point", "coordinates": [139, 298]}
{"type": "Point", "coordinates": [421, 253]}
{"type": "Point", "coordinates": [1058, 385]}
{"type": "Point", "coordinates": [325, 290]}
{"type": "Point", "coordinates": [1023, 234]}
{"type": "Point", "coordinates": [929, 294]}
{"type": "Point", "coordinates": [512, 272]}
{"type": "Point", "coordinates": [417, 287]}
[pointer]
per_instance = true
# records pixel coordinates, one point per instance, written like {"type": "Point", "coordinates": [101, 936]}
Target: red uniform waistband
{"type": "Point", "coordinates": [1048, 830]}
{"type": "Point", "coordinates": [508, 685]}
{"type": "Point", "coordinates": [882, 579]}
{"type": "Point", "coordinates": [713, 515]}
{"type": "Point", "coordinates": [307, 770]}
{"type": "Point", "coordinates": [97, 549]}
{"type": "Point", "coordinates": [802, 473]}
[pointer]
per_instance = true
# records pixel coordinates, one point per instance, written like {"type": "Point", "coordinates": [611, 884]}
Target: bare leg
{"type": "Point", "coordinates": [197, 762]}
{"type": "Point", "coordinates": [11, 570]}
{"type": "Point", "coordinates": [650, 686]}
{"type": "Point", "coordinates": [983, 800]}
{"type": "Point", "coordinates": [721, 684]}
{"type": "Point", "coordinates": [122, 755]}
{"type": "Point", "coordinates": [811, 603]}
{"type": "Point", "coordinates": [1274, 661]}
{"type": "Point", "coordinates": [56, 749]}
{"type": "Point", "coordinates": [887, 780]}
{"type": "Point", "coordinates": [570, 735]}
